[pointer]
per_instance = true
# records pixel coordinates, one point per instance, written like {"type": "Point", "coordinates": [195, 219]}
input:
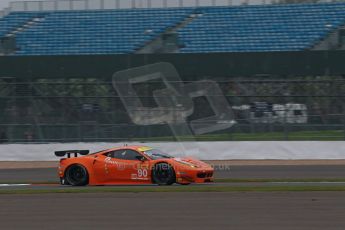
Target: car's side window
{"type": "Point", "coordinates": [124, 154]}
{"type": "Point", "coordinates": [116, 154]}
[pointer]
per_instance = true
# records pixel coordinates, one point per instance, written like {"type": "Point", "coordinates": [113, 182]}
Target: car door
{"type": "Point", "coordinates": [124, 166]}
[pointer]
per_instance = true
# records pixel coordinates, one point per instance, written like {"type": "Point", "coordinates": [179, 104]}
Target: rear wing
{"type": "Point", "coordinates": [69, 152]}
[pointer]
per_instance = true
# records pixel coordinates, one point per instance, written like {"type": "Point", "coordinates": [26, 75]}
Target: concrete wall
{"type": "Point", "coordinates": [202, 150]}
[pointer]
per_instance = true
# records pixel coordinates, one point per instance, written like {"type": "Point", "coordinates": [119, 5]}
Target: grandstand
{"type": "Point", "coordinates": [286, 27]}
{"type": "Point", "coordinates": [278, 66]}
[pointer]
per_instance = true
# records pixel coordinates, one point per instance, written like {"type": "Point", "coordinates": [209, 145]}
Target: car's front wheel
{"type": "Point", "coordinates": [163, 174]}
{"type": "Point", "coordinates": [77, 175]}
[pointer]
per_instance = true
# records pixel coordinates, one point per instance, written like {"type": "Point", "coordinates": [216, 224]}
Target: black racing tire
{"type": "Point", "coordinates": [76, 175]}
{"type": "Point", "coordinates": [163, 174]}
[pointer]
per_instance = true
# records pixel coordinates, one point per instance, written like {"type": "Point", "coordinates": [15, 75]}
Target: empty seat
{"type": "Point", "coordinates": [217, 29]}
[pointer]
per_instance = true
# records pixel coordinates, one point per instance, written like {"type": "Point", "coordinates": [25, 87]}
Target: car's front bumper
{"type": "Point", "coordinates": [195, 176]}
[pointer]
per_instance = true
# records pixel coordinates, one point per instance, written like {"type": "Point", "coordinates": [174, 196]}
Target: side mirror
{"type": "Point", "coordinates": [141, 158]}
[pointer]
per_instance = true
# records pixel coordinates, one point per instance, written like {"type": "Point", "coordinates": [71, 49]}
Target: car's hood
{"type": "Point", "coordinates": [191, 161]}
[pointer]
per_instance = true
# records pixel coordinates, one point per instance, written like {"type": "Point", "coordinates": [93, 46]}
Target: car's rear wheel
{"type": "Point", "coordinates": [163, 174]}
{"type": "Point", "coordinates": [77, 175]}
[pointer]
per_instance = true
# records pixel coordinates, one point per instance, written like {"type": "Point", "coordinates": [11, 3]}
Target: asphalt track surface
{"type": "Point", "coordinates": [192, 211]}
{"type": "Point", "coordinates": [44, 175]}
{"type": "Point", "coordinates": [239, 172]}
{"type": "Point", "coordinates": [204, 210]}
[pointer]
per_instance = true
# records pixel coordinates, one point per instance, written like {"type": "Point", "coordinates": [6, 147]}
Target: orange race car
{"type": "Point", "coordinates": [130, 165]}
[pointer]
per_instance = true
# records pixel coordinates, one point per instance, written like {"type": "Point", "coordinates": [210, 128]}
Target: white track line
{"type": "Point", "coordinates": [13, 185]}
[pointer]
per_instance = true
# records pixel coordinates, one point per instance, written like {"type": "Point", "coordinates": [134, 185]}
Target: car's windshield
{"type": "Point", "coordinates": [156, 154]}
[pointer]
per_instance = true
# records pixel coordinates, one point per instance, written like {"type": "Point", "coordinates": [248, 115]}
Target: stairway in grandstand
{"type": "Point", "coordinates": [332, 41]}
{"type": "Point", "coordinates": [31, 22]}
{"type": "Point", "coordinates": [157, 43]}
{"type": "Point", "coordinates": [17, 23]}
{"type": "Point", "coordinates": [277, 27]}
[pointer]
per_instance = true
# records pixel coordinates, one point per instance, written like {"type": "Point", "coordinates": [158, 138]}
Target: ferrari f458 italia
{"type": "Point", "coordinates": [130, 165]}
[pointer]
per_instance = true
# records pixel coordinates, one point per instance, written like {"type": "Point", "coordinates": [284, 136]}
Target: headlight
{"type": "Point", "coordinates": [187, 163]}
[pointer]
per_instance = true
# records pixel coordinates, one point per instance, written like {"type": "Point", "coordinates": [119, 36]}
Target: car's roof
{"type": "Point", "coordinates": [139, 148]}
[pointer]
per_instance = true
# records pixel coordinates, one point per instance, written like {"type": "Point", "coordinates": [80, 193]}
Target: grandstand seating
{"type": "Point", "coordinates": [288, 27]}
{"type": "Point", "coordinates": [90, 32]}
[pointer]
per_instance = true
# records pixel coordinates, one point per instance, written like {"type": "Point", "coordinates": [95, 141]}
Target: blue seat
{"type": "Point", "coordinates": [219, 29]}
{"type": "Point", "coordinates": [262, 28]}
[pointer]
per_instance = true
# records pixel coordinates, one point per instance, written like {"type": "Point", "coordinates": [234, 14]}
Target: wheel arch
{"type": "Point", "coordinates": [161, 162]}
{"type": "Point", "coordinates": [66, 179]}
{"type": "Point", "coordinates": [85, 164]}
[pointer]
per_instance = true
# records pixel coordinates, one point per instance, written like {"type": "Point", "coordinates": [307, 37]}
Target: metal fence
{"type": "Point", "coordinates": [304, 108]}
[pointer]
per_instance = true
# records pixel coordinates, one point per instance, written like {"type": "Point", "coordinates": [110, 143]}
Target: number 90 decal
{"type": "Point", "coordinates": [142, 172]}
